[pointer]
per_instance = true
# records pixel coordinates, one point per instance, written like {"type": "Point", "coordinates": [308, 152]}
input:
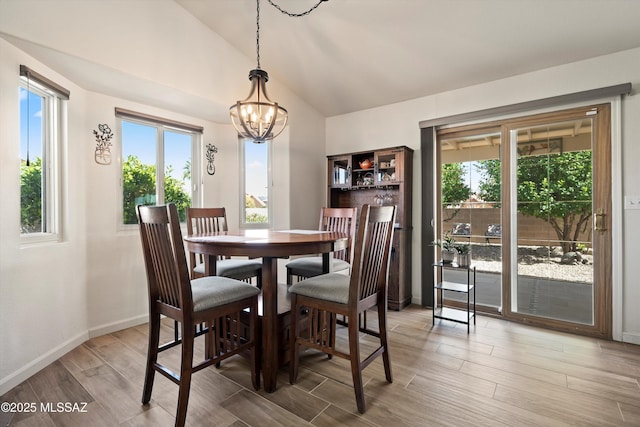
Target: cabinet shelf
{"type": "Point", "coordinates": [388, 186]}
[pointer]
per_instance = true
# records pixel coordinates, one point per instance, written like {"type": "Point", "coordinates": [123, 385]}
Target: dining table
{"type": "Point", "coordinates": [270, 245]}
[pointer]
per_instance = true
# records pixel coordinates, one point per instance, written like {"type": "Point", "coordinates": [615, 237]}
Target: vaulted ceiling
{"type": "Point", "coordinates": [346, 56]}
{"type": "Point", "coordinates": [349, 55]}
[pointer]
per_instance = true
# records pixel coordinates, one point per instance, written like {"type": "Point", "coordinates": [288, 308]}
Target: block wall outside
{"type": "Point", "coordinates": [531, 231]}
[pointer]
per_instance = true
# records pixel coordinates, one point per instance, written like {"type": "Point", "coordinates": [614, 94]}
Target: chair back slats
{"type": "Point", "coordinates": [209, 225]}
{"type": "Point", "coordinates": [371, 260]}
{"type": "Point", "coordinates": [205, 220]}
{"type": "Point", "coordinates": [167, 274]}
{"type": "Point", "coordinates": [342, 220]}
{"type": "Point", "coordinates": [164, 267]}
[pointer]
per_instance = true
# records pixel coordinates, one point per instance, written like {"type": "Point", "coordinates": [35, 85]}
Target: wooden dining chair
{"type": "Point", "coordinates": [331, 219]}
{"type": "Point", "coordinates": [215, 301]}
{"type": "Point", "coordinates": [208, 220]}
{"type": "Point", "coordinates": [326, 296]}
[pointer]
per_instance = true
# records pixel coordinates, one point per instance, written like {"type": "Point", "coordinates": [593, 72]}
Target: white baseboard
{"type": "Point", "coordinates": [41, 362]}
{"type": "Point", "coordinates": [631, 337]}
{"type": "Point", "coordinates": [51, 356]}
{"type": "Point", "coordinates": [118, 326]}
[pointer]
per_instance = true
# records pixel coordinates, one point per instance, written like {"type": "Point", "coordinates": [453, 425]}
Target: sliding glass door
{"type": "Point", "coordinates": [471, 209]}
{"type": "Point", "coordinates": [537, 205]}
{"type": "Point", "coordinates": [559, 205]}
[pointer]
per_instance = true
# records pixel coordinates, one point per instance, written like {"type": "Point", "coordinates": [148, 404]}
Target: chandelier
{"type": "Point", "coordinates": [257, 117]}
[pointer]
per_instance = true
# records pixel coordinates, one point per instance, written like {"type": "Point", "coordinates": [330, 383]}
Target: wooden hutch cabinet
{"type": "Point", "coordinates": [379, 177]}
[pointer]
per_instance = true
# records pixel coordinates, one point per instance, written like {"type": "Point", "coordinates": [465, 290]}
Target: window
{"type": "Point", "coordinates": [255, 160]}
{"type": "Point", "coordinates": [42, 113]}
{"type": "Point", "coordinates": [157, 163]}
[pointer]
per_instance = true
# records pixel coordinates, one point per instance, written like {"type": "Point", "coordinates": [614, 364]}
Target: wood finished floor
{"type": "Point", "coordinates": [500, 374]}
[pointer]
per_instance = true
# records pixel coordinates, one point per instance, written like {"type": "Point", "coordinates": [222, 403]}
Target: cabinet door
{"type": "Point", "coordinates": [388, 166]}
{"type": "Point", "coordinates": [340, 171]}
{"type": "Point", "coordinates": [399, 283]}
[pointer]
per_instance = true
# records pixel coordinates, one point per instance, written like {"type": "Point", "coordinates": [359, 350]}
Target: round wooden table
{"type": "Point", "coordinates": [268, 245]}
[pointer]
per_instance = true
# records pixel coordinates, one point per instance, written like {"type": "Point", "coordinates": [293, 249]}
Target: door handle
{"type": "Point", "coordinates": [599, 220]}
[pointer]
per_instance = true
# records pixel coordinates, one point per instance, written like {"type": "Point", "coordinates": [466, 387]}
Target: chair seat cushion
{"type": "Point", "coordinates": [312, 266]}
{"type": "Point", "coordinates": [233, 267]}
{"type": "Point", "coordinates": [329, 287]}
{"type": "Point", "coordinates": [214, 291]}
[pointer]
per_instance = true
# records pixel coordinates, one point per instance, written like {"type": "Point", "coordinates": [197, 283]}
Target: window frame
{"type": "Point", "coordinates": [54, 125]}
{"type": "Point", "coordinates": [161, 126]}
{"type": "Point", "coordinates": [243, 174]}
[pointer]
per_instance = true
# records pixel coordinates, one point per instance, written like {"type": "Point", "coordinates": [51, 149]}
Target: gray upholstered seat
{"type": "Point", "coordinates": [329, 287]}
{"type": "Point", "coordinates": [312, 266]}
{"type": "Point", "coordinates": [214, 291]}
{"type": "Point", "coordinates": [232, 267]}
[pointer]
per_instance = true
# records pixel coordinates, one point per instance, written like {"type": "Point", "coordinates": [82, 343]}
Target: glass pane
{"type": "Point", "coordinates": [32, 159]}
{"type": "Point", "coordinates": [138, 168]}
{"type": "Point", "coordinates": [256, 182]}
{"type": "Point", "coordinates": [471, 209]}
{"type": "Point", "coordinates": [340, 172]}
{"type": "Point", "coordinates": [554, 201]}
{"type": "Point", "coordinates": [177, 171]}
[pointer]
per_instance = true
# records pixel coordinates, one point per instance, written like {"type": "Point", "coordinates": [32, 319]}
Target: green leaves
{"type": "Point", "coordinates": [31, 220]}
{"type": "Point", "coordinates": [454, 189]}
{"type": "Point", "coordinates": [139, 187]}
{"type": "Point", "coordinates": [556, 188]}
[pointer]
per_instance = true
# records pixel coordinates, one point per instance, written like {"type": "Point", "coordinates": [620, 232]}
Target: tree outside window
{"type": "Point", "coordinates": [152, 155]}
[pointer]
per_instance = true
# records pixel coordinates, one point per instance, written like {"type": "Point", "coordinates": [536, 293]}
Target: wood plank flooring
{"type": "Point", "coordinates": [500, 374]}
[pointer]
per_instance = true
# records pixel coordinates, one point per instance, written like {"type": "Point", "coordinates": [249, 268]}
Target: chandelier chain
{"type": "Point", "coordinates": [296, 15]}
{"type": "Point", "coordinates": [257, 117]}
{"type": "Point", "coordinates": [258, 32]}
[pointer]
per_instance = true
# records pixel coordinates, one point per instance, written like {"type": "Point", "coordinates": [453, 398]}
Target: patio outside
{"type": "Point", "coordinates": [550, 284]}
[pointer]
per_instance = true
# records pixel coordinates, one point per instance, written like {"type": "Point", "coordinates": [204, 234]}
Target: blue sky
{"type": "Point", "coordinates": [256, 168]}
{"type": "Point", "coordinates": [35, 125]}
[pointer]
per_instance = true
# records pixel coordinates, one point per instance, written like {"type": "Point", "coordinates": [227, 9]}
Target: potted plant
{"type": "Point", "coordinates": [447, 244]}
{"type": "Point", "coordinates": [464, 254]}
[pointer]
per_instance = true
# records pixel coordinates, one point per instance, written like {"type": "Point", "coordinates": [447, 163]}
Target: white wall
{"type": "Point", "coordinates": [166, 63]}
{"type": "Point", "coordinates": [43, 292]}
{"type": "Point", "coordinates": [398, 125]}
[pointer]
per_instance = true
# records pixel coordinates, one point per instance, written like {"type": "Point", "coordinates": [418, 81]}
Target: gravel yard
{"type": "Point", "coordinates": [534, 261]}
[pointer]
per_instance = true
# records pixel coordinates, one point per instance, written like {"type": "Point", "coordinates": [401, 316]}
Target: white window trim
{"type": "Point", "coordinates": [196, 181]}
{"type": "Point", "coordinates": [54, 122]}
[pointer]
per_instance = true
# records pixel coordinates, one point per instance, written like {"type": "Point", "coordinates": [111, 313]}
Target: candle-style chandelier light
{"type": "Point", "coordinates": [257, 117]}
